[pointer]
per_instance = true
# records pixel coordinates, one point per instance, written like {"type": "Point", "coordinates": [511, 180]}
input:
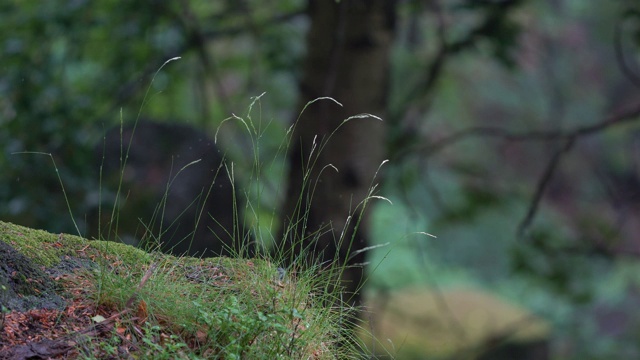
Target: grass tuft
{"type": "Point", "coordinates": [155, 306]}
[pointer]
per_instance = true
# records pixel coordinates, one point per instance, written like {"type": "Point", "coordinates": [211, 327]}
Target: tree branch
{"type": "Point", "coordinates": [126, 91]}
{"type": "Point", "coordinates": [236, 30]}
{"type": "Point", "coordinates": [617, 43]}
{"type": "Point", "coordinates": [622, 117]}
{"type": "Point", "coordinates": [567, 136]}
{"type": "Point", "coordinates": [544, 180]}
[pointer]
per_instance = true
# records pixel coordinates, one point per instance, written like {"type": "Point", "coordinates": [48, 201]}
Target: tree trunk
{"type": "Point", "coordinates": [348, 47]}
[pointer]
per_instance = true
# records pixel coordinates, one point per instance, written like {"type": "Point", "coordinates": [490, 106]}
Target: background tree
{"type": "Point", "coordinates": [348, 50]}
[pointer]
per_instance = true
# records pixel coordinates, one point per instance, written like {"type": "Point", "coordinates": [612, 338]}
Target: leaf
{"type": "Point", "coordinates": [296, 314]}
{"type": "Point", "coordinates": [98, 318]}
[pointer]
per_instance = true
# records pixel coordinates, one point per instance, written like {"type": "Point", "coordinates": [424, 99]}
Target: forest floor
{"type": "Point", "coordinates": [67, 297]}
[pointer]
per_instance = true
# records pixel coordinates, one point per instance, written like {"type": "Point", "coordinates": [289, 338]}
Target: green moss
{"type": "Point", "coordinates": [48, 249]}
{"type": "Point", "coordinates": [23, 284]}
{"type": "Point", "coordinates": [423, 323]}
{"type": "Point", "coordinates": [230, 307]}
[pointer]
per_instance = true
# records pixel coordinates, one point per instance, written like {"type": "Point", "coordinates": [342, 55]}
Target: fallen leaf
{"type": "Point", "coordinates": [98, 318]}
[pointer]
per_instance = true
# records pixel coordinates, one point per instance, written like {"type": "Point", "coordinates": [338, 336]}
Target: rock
{"type": "Point", "coordinates": [175, 192]}
{"type": "Point", "coordinates": [459, 324]}
{"type": "Point", "coordinates": [23, 285]}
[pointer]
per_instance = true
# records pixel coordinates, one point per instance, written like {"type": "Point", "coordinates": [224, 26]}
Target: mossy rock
{"type": "Point", "coordinates": [23, 284]}
{"type": "Point", "coordinates": [457, 323]}
{"type": "Point", "coordinates": [217, 307]}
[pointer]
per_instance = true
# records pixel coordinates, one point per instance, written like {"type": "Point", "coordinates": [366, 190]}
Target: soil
{"type": "Point", "coordinates": [23, 285]}
{"type": "Point", "coordinates": [46, 310]}
{"type": "Point", "coordinates": [48, 294]}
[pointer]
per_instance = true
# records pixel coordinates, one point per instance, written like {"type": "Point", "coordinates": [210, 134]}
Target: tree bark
{"type": "Point", "coordinates": [348, 46]}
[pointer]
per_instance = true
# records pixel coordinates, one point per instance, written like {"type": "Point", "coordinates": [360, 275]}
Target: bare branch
{"type": "Point", "coordinates": [434, 70]}
{"type": "Point", "coordinates": [241, 29]}
{"type": "Point", "coordinates": [126, 91]}
{"type": "Point", "coordinates": [622, 62]}
{"type": "Point", "coordinates": [542, 185]}
{"type": "Point", "coordinates": [622, 117]}
{"type": "Point", "coordinates": [567, 136]}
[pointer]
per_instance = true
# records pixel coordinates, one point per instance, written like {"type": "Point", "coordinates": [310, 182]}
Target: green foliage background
{"type": "Point", "coordinates": [69, 69]}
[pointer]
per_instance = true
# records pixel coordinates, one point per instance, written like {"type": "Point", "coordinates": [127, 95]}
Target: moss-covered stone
{"type": "Point", "coordinates": [23, 285]}
{"type": "Point", "coordinates": [29, 259]}
{"type": "Point", "coordinates": [456, 323]}
{"type": "Point", "coordinates": [219, 306]}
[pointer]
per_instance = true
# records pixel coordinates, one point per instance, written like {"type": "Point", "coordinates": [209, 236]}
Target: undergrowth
{"type": "Point", "coordinates": [166, 307]}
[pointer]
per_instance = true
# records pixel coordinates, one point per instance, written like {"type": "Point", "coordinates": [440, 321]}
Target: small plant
{"type": "Point", "coordinates": [109, 345]}
{"type": "Point", "coordinates": [162, 346]}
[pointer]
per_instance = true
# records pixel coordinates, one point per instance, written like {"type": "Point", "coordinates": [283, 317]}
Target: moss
{"type": "Point", "coordinates": [419, 323]}
{"type": "Point", "coordinates": [40, 246]}
{"type": "Point", "coordinates": [23, 285]}
{"type": "Point", "coordinates": [48, 249]}
{"type": "Point", "coordinates": [225, 306]}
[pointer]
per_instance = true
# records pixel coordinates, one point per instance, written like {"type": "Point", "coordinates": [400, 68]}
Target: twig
{"type": "Point", "coordinates": [542, 185]}
{"type": "Point", "coordinates": [52, 348]}
{"type": "Point", "coordinates": [144, 279]}
{"type": "Point", "coordinates": [428, 79]}
{"type": "Point", "coordinates": [617, 43]}
{"type": "Point", "coordinates": [622, 117]}
{"type": "Point", "coordinates": [240, 29]}
{"type": "Point", "coordinates": [126, 91]}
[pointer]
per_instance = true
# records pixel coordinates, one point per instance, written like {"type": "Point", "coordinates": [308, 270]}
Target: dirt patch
{"type": "Point", "coordinates": [54, 333]}
{"type": "Point", "coordinates": [46, 313]}
{"type": "Point", "coordinates": [24, 285]}
{"type": "Point", "coordinates": [60, 310]}
{"type": "Point", "coordinates": [36, 319]}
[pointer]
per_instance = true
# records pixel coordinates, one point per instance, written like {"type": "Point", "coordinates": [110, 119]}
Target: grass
{"type": "Point", "coordinates": [154, 306]}
{"type": "Point", "coordinates": [148, 305]}
{"type": "Point", "coordinates": [220, 308]}
{"type": "Point", "coordinates": [231, 308]}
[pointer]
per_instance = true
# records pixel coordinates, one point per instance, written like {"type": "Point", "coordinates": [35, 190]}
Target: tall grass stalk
{"type": "Point", "coordinates": [227, 307]}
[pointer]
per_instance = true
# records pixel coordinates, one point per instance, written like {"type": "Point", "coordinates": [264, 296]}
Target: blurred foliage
{"type": "Point", "coordinates": [474, 194]}
{"type": "Point", "coordinates": [69, 69]}
{"type": "Point", "coordinates": [58, 78]}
